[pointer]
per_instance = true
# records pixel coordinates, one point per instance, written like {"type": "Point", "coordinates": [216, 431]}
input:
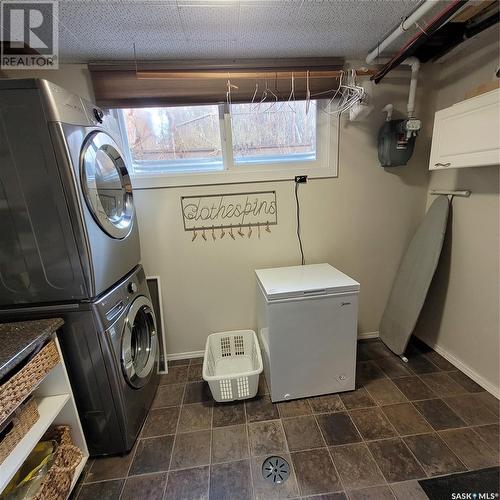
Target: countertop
{"type": "Point", "coordinates": [18, 340]}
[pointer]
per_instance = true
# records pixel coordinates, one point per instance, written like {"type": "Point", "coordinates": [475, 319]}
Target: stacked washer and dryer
{"type": "Point", "coordinates": [69, 247]}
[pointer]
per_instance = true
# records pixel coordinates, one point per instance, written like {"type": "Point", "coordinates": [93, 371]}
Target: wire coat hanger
{"type": "Point", "coordinates": [308, 93]}
{"type": "Point", "coordinates": [291, 97]}
{"type": "Point", "coordinates": [229, 87]}
{"type": "Point", "coordinates": [265, 95]}
{"type": "Point", "coordinates": [252, 104]}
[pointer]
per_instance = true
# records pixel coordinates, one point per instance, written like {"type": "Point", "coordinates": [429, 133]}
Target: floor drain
{"type": "Point", "coordinates": [275, 470]}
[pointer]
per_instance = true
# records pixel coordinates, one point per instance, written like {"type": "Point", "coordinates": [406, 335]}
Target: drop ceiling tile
{"type": "Point", "coordinates": [103, 30]}
{"type": "Point", "coordinates": [205, 22]}
{"type": "Point", "coordinates": [93, 30]}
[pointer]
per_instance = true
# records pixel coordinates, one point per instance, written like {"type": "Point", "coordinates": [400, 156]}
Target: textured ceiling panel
{"type": "Point", "coordinates": [93, 30]}
{"type": "Point", "coordinates": [210, 22]}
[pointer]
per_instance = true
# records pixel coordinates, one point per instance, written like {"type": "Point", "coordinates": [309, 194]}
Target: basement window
{"type": "Point", "coordinates": [195, 145]}
{"type": "Point", "coordinates": [173, 140]}
{"type": "Point", "coordinates": [281, 132]}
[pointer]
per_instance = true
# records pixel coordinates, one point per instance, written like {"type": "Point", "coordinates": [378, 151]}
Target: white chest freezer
{"type": "Point", "coordinates": [307, 329]}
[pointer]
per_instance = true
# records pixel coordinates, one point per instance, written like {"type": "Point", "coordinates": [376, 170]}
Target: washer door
{"type": "Point", "coordinates": [139, 343]}
{"type": "Point", "coordinates": [106, 185]}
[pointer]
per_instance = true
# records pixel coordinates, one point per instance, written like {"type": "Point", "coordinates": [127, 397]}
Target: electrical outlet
{"type": "Point", "coordinates": [301, 179]}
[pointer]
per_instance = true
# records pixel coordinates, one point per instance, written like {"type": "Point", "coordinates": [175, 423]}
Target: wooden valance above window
{"type": "Point", "coordinates": [142, 84]}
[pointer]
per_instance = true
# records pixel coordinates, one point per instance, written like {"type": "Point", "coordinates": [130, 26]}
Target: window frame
{"type": "Point", "coordinates": [324, 166]}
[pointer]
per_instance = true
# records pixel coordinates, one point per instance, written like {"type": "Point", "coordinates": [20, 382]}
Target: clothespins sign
{"type": "Point", "coordinates": [233, 213]}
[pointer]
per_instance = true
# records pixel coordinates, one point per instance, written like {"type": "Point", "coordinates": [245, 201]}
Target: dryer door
{"type": "Point", "coordinates": [106, 185]}
{"type": "Point", "coordinates": [139, 349]}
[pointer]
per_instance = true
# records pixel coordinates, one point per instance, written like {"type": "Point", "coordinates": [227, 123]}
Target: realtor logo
{"type": "Point", "coordinates": [29, 37]}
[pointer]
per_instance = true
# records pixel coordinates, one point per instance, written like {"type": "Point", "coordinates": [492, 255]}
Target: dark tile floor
{"type": "Point", "coordinates": [404, 422]}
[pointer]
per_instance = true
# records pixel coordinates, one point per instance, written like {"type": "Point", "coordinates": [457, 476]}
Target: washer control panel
{"type": "Point", "coordinates": [115, 305]}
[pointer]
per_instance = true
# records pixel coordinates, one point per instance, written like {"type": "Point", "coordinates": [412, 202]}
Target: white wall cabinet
{"type": "Point", "coordinates": [467, 134]}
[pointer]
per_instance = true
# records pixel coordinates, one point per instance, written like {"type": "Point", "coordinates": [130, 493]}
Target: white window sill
{"type": "Point", "coordinates": [325, 165]}
{"type": "Point", "coordinates": [176, 179]}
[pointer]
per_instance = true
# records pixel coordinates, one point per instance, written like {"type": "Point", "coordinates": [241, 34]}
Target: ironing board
{"type": "Point", "coordinates": [414, 277]}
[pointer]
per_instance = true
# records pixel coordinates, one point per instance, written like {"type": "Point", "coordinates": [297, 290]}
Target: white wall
{"type": "Point", "coordinates": [461, 314]}
{"type": "Point", "coordinates": [360, 222]}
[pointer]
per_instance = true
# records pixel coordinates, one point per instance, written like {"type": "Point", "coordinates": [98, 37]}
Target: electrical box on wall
{"type": "Point", "coordinates": [396, 141]}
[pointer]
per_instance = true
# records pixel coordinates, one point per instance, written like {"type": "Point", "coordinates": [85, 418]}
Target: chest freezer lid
{"type": "Point", "coordinates": [302, 281]}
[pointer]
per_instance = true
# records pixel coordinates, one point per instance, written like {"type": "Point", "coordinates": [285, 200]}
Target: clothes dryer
{"type": "Point", "coordinates": [67, 217]}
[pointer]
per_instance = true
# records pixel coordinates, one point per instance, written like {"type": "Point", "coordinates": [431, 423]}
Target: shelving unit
{"type": "Point", "coordinates": [56, 405]}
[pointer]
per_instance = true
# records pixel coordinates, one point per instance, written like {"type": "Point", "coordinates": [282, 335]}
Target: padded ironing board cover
{"type": "Point", "coordinates": [414, 277]}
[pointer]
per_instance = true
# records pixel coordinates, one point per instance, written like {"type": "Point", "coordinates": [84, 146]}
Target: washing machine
{"type": "Point", "coordinates": [67, 218]}
{"type": "Point", "coordinates": [110, 347]}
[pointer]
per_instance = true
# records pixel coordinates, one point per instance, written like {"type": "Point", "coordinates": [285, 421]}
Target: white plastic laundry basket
{"type": "Point", "coordinates": [232, 365]}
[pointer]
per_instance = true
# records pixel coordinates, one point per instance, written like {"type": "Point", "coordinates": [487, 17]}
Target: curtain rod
{"type": "Point", "coordinates": [243, 75]}
{"type": "Point", "coordinates": [245, 64]}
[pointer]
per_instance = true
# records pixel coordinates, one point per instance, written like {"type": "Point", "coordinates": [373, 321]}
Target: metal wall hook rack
{"type": "Point", "coordinates": [463, 193]}
{"type": "Point", "coordinates": [235, 227]}
{"type": "Point", "coordinates": [232, 230]}
{"type": "Point", "coordinates": [235, 214]}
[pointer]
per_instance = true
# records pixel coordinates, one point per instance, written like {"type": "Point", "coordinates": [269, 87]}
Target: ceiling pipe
{"type": "Point", "coordinates": [412, 45]}
{"type": "Point", "coordinates": [414, 63]}
{"type": "Point", "coordinates": [413, 18]}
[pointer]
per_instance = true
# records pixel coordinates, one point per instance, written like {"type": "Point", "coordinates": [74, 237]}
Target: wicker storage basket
{"type": "Point", "coordinates": [24, 418]}
{"type": "Point", "coordinates": [21, 385]}
{"type": "Point", "coordinates": [57, 483]}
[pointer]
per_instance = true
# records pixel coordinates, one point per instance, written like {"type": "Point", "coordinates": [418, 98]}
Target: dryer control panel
{"type": "Point", "coordinates": [94, 114]}
{"type": "Point", "coordinates": [63, 106]}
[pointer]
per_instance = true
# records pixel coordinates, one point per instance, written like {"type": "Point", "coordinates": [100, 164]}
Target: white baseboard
{"type": "Point", "coordinates": [185, 355]}
{"type": "Point", "coordinates": [368, 335]}
{"type": "Point", "coordinates": [458, 363]}
{"type": "Point", "coordinates": [197, 354]}
{"type": "Point", "coordinates": [372, 335]}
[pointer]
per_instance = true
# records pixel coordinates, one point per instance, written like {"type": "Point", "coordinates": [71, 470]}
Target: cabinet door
{"type": "Point", "coordinates": [467, 134]}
